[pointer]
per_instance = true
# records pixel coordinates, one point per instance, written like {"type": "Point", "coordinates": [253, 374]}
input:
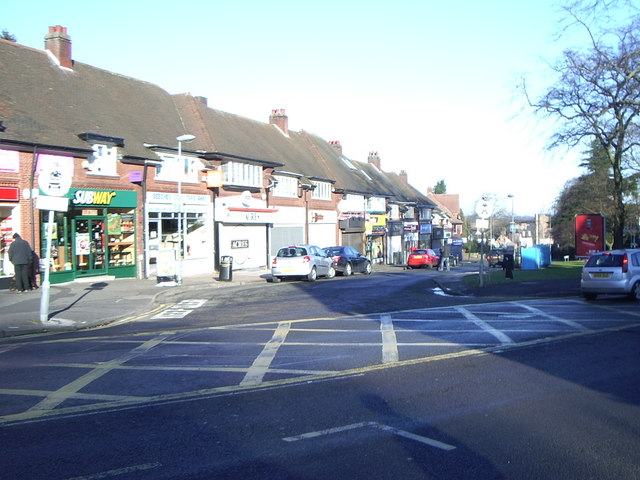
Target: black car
{"type": "Point", "coordinates": [494, 257]}
{"type": "Point", "coordinates": [347, 260]}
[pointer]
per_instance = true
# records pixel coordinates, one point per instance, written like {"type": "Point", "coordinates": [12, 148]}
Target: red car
{"type": "Point", "coordinates": [423, 257]}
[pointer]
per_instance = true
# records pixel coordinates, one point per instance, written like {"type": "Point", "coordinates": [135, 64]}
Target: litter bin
{"type": "Point", "coordinates": [226, 269]}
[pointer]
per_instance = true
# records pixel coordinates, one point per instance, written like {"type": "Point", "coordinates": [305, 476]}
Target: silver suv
{"type": "Point", "coordinates": [615, 272]}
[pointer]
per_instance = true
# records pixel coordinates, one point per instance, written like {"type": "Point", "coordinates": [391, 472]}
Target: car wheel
{"type": "Point", "coordinates": [313, 275]}
{"type": "Point", "coordinates": [331, 273]}
{"type": "Point", "coordinates": [348, 270]}
{"type": "Point", "coordinates": [276, 279]}
{"type": "Point", "coordinates": [589, 295]}
{"type": "Point", "coordinates": [367, 269]}
{"type": "Point", "coordinates": [635, 291]}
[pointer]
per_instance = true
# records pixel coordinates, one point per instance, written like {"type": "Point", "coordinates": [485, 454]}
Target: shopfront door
{"type": "Point", "coordinates": [89, 245]}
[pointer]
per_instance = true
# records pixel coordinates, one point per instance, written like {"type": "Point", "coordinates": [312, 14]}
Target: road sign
{"type": "Point", "coordinates": [484, 207]}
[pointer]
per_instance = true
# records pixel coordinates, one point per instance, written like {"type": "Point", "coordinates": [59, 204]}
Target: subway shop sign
{"type": "Point", "coordinates": [102, 198]}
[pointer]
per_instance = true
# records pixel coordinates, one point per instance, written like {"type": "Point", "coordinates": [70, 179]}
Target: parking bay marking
{"type": "Point", "coordinates": [180, 310]}
{"type": "Point", "coordinates": [484, 325]}
{"type": "Point", "coordinates": [379, 426]}
{"type": "Point", "coordinates": [389, 340]}
{"type": "Point", "coordinates": [261, 364]}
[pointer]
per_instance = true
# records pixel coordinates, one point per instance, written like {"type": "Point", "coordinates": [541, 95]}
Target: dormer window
{"type": "Point", "coordinates": [175, 169]}
{"type": "Point", "coordinates": [103, 160]}
{"type": "Point", "coordinates": [286, 187]}
{"type": "Point", "coordinates": [322, 191]}
{"type": "Point", "coordinates": [241, 174]}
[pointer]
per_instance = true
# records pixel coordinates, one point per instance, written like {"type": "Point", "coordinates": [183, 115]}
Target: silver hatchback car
{"type": "Point", "coordinates": [614, 272]}
{"type": "Point", "coordinates": [304, 261]}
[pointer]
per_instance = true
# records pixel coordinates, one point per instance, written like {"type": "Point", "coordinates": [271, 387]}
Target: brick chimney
{"type": "Point", "coordinates": [403, 176]}
{"type": "Point", "coordinates": [336, 144]}
{"type": "Point", "coordinates": [59, 44]}
{"type": "Point", "coordinates": [374, 159]}
{"type": "Point", "coordinates": [201, 100]}
{"type": "Point", "coordinates": [279, 118]}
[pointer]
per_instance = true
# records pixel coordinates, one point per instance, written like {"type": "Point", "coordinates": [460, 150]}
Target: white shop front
{"type": "Point", "coordinates": [243, 224]}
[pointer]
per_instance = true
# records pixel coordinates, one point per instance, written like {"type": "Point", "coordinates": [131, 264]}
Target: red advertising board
{"type": "Point", "coordinates": [589, 234]}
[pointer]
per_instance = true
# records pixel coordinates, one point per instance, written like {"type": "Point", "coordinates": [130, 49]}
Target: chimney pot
{"type": "Point", "coordinates": [280, 120]}
{"type": "Point", "coordinates": [59, 44]}
{"type": "Point", "coordinates": [374, 159]}
{"type": "Point", "coordinates": [337, 145]}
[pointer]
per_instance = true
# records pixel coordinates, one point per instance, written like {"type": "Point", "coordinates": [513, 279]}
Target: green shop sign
{"type": "Point", "coordinates": [102, 198]}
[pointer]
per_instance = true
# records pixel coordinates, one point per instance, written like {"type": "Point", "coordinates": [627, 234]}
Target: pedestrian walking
{"type": "Point", "coordinates": [21, 255]}
{"type": "Point", "coordinates": [445, 252]}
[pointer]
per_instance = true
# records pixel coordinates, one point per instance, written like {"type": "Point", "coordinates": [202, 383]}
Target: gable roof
{"type": "Point", "coordinates": [73, 102]}
{"type": "Point", "coordinates": [83, 99]}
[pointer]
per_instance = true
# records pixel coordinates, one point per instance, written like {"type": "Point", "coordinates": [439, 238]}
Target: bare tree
{"type": "Point", "coordinates": [596, 99]}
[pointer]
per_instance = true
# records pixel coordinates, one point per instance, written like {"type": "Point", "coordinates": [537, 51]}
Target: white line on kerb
{"type": "Point", "coordinates": [484, 325]}
{"type": "Point", "coordinates": [261, 364]}
{"type": "Point", "coordinates": [389, 341]}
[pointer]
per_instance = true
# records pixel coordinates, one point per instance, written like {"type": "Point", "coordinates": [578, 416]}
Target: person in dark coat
{"type": "Point", "coordinates": [20, 254]}
{"type": "Point", "coordinates": [34, 270]}
{"type": "Point", "coordinates": [445, 252]}
{"type": "Point", "coordinates": [508, 264]}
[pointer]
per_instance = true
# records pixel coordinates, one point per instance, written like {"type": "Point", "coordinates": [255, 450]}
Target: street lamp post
{"type": "Point", "coordinates": [182, 138]}
{"type": "Point", "coordinates": [512, 225]}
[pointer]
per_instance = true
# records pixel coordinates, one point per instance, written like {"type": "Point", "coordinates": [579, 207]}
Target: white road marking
{"type": "Point", "coordinates": [180, 310]}
{"type": "Point", "coordinates": [56, 398]}
{"type": "Point", "coordinates": [537, 311]}
{"type": "Point", "coordinates": [379, 426]}
{"type": "Point", "coordinates": [484, 325]}
{"type": "Point", "coordinates": [261, 364]}
{"type": "Point", "coordinates": [51, 405]}
{"type": "Point", "coordinates": [118, 471]}
{"type": "Point", "coordinates": [6, 348]}
{"type": "Point", "coordinates": [389, 341]}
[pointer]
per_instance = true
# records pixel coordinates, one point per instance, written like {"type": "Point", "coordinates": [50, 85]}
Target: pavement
{"type": "Point", "coordinates": [99, 301]}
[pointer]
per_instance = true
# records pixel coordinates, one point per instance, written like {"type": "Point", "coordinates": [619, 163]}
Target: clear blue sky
{"type": "Point", "coordinates": [429, 85]}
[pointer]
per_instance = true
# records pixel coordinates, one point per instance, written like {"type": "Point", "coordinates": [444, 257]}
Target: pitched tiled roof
{"type": "Point", "coordinates": [300, 152]}
{"type": "Point", "coordinates": [42, 103]}
{"type": "Point", "coordinates": [86, 99]}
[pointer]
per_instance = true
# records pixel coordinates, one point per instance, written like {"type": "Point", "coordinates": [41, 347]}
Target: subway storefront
{"type": "Point", "coordinates": [95, 237]}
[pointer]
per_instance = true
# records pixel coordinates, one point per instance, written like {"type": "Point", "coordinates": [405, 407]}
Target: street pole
{"type": "Point", "coordinates": [482, 257]}
{"type": "Point", "coordinates": [179, 265]}
{"type": "Point", "coordinates": [182, 138]}
{"type": "Point", "coordinates": [46, 284]}
{"type": "Point", "coordinates": [512, 226]}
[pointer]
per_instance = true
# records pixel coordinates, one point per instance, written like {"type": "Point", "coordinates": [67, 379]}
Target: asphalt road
{"type": "Point", "coordinates": [335, 381]}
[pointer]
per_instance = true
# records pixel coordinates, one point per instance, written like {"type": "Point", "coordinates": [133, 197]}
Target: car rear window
{"type": "Point", "coordinates": [605, 260]}
{"type": "Point", "coordinates": [292, 252]}
{"type": "Point", "coordinates": [419, 252]}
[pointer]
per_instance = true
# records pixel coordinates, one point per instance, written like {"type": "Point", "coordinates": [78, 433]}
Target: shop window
{"type": "Point", "coordinates": [103, 161]}
{"type": "Point", "coordinates": [121, 237]}
{"type": "Point", "coordinates": [60, 254]}
{"type": "Point", "coordinates": [166, 234]}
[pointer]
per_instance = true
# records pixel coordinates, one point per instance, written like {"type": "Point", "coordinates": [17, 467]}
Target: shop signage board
{"type": "Point", "coordinates": [55, 204]}
{"type": "Point", "coordinates": [242, 209]}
